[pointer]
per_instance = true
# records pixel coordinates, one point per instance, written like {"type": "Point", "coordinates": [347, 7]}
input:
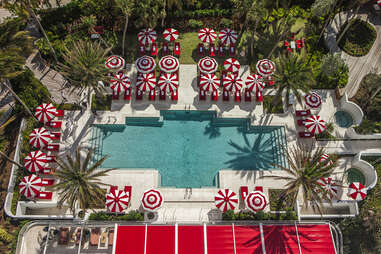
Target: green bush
{"type": "Point", "coordinates": [259, 216]}
{"type": "Point", "coordinates": [277, 202]}
{"type": "Point", "coordinates": [368, 127]}
{"type": "Point", "coordinates": [5, 237]}
{"type": "Point", "coordinates": [358, 39]}
{"type": "Point", "coordinates": [203, 13]}
{"type": "Point", "coordinates": [226, 23]}
{"type": "Point", "coordinates": [195, 24]}
{"type": "Point", "coordinates": [68, 106]}
{"type": "Point", "coordinates": [273, 106]}
{"type": "Point", "coordinates": [101, 103]}
{"type": "Point", "coordinates": [130, 216]}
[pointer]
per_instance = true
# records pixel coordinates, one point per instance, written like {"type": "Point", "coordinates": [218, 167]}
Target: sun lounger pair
{"type": "Point", "coordinates": [53, 148]}
{"type": "Point", "coordinates": [60, 113]}
{"type": "Point", "coordinates": [270, 80]}
{"type": "Point", "coordinates": [154, 49]}
{"type": "Point", "coordinates": [50, 158]}
{"type": "Point", "coordinates": [54, 124]}
{"type": "Point", "coordinates": [202, 95]}
{"type": "Point", "coordinates": [214, 95]}
{"type": "Point", "coordinates": [47, 182]}
{"type": "Point", "coordinates": [94, 236]}
{"type": "Point", "coordinates": [201, 50]}
{"type": "Point", "coordinates": [127, 94]}
{"type": "Point", "coordinates": [247, 95]}
{"type": "Point", "coordinates": [177, 50]}
{"type": "Point", "coordinates": [306, 134]}
{"type": "Point", "coordinates": [244, 191]}
{"type": "Point", "coordinates": [55, 135]}
{"type": "Point", "coordinates": [303, 112]}
{"type": "Point", "coordinates": [45, 195]}
{"type": "Point", "coordinates": [301, 122]}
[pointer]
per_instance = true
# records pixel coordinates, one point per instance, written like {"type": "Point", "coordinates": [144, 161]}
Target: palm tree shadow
{"type": "Point", "coordinates": [212, 131]}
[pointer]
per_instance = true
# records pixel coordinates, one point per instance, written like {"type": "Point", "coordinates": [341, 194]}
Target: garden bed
{"type": "Point", "coordinates": [273, 106]}
{"type": "Point", "coordinates": [101, 103]}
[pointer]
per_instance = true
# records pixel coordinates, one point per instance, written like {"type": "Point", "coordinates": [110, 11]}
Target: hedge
{"type": "Point", "coordinates": [5, 237]}
{"type": "Point", "coordinates": [260, 216]}
{"type": "Point", "coordinates": [207, 13]}
{"type": "Point", "coordinates": [131, 216]}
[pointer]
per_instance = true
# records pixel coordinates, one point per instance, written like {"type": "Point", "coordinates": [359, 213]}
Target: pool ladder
{"type": "Point", "coordinates": [188, 193]}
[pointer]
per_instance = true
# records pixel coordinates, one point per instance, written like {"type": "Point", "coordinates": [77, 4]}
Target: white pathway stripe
{"type": "Point", "coordinates": [262, 238]}
{"type": "Point", "coordinates": [297, 237]}
{"type": "Point", "coordinates": [205, 241]}
{"type": "Point", "coordinates": [235, 251]}
{"type": "Point", "coordinates": [115, 235]}
{"type": "Point", "coordinates": [176, 238]}
{"type": "Point", "coordinates": [145, 240]}
{"type": "Point", "coordinates": [80, 241]}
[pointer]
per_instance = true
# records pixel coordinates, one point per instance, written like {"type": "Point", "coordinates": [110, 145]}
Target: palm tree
{"type": "Point", "coordinates": [149, 12]}
{"type": "Point", "coordinates": [126, 6]}
{"type": "Point", "coordinates": [303, 174]}
{"type": "Point", "coordinates": [84, 66]}
{"type": "Point", "coordinates": [292, 75]}
{"type": "Point", "coordinates": [370, 97]}
{"type": "Point", "coordinates": [79, 181]}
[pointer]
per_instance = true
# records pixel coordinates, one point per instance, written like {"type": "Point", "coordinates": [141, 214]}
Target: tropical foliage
{"type": "Point", "coordinates": [334, 71]}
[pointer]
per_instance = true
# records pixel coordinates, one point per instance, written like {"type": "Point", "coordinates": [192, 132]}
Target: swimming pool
{"type": "Point", "coordinates": [189, 147]}
{"type": "Point", "coordinates": [343, 119]}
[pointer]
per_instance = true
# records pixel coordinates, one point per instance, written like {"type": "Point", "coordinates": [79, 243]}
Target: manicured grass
{"type": "Point", "coordinates": [271, 106]}
{"type": "Point", "coordinates": [101, 103]}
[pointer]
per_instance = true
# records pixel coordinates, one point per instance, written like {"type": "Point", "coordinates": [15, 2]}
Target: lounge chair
{"type": "Point", "coordinates": [247, 95]}
{"type": "Point", "coordinates": [220, 50]}
{"type": "Point", "coordinates": [177, 50]}
{"type": "Point", "coordinates": [139, 95]}
{"type": "Point", "coordinates": [113, 188]}
{"type": "Point", "coordinates": [162, 95]}
{"type": "Point", "coordinates": [202, 95]}
{"type": "Point", "coordinates": [53, 148]}
{"type": "Point", "coordinates": [47, 182]}
{"type": "Point", "coordinates": [60, 113]}
{"type": "Point", "coordinates": [152, 95]}
{"type": "Point", "coordinates": [54, 124]}
{"type": "Point", "coordinates": [174, 95]}
{"type": "Point", "coordinates": [50, 158]}
{"type": "Point", "coordinates": [232, 50]}
{"type": "Point", "coordinates": [303, 112]}
{"type": "Point", "coordinates": [94, 236]}
{"type": "Point", "coordinates": [103, 239]}
{"type": "Point", "coordinates": [55, 135]}
{"type": "Point", "coordinates": [111, 237]}
{"type": "Point", "coordinates": [115, 95]}
{"type": "Point", "coordinates": [259, 188]}
{"type": "Point", "coordinates": [165, 50]}
{"type": "Point", "coordinates": [244, 190]}
{"type": "Point", "coordinates": [47, 171]}
{"type": "Point", "coordinates": [128, 190]}
{"type": "Point", "coordinates": [238, 96]}
{"type": "Point", "coordinates": [142, 50]}
{"type": "Point", "coordinates": [259, 96]}
{"type": "Point", "coordinates": [289, 50]}
{"type": "Point", "coordinates": [154, 49]}
{"type": "Point", "coordinates": [214, 95]}
{"type": "Point", "coordinates": [270, 81]}
{"type": "Point", "coordinates": [225, 95]}
{"type": "Point", "coordinates": [224, 73]}
{"type": "Point", "coordinates": [127, 94]}
{"type": "Point", "coordinates": [306, 134]}
{"type": "Point", "coordinates": [46, 195]}
{"type": "Point", "coordinates": [63, 237]}
{"type": "Point", "coordinates": [301, 122]}
{"type": "Point", "coordinates": [292, 36]}
{"type": "Point", "coordinates": [201, 50]}
{"type": "Point", "coordinates": [212, 50]}
{"type": "Point", "coordinates": [286, 44]}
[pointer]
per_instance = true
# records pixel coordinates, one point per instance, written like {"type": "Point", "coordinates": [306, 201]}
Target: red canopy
{"type": "Point", "coordinates": [30, 186]}
{"type": "Point", "coordinates": [147, 36]}
{"type": "Point", "coordinates": [207, 65]}
{"type": "Point", "coordinates": [232, 65]}
{"type": "Point", "coordinates": [357, 191]}
{"type": "Point", "coordinates": [146, 82]}
{"type": "Point", "coordinates": [169, 64]}
{"type": "Point", "coordinates": [313, 100]}
{"type": "Point", "coordinates": [152, 200]}
{"type": "Point", "coordinates": [45, 112]}
{"type": "Point", "coordinates": [170, 34]}
{"type": "Point", "coordinates": [209, 82]}
{"type": "Point", "coordinates": [145, 64]}
{"type": "Point", "coordinates": [35, 161]}
{"type": "Point", "coordinates": [228, 36]}
{"type": "Point", "coordinates": [226, 200]}
{"type": "Point", "coordinates": [39, 137]}
{"type": "Point", "coordinates": [256, 201]}
{"type": "Point", "coordinates": [120, 82]}
{"type": "Point", "coordinates": [255, 82]}
{"type": "Point", "coordinates": [315, 124]}
{"type": "Point", "coordinates": [168, 82]}
{"type": "Point", "coordinates": [117, 201]}
{"type": "Point", "coordinates": [207, 35]}
{"type": "Point", "coordinates": [115, 63]}
{"type": "Point", "coordinates": [265, 67]}
{"type": "Point", "coordinates": [233, 83]}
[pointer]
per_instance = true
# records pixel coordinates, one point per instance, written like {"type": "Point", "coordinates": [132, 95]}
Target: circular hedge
{"type": "Point", "coordinates": [358, 39]}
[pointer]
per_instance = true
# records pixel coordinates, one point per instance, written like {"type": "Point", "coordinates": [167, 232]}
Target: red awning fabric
{"type": "Point", "coordinates": [191, 239]}
{"type": "Point", "coordinates": [130, 239]}
{"type": "Point", "coordinates": [248, 239]}
{"type": "Point", "coordinates": [315, 239]}
{"type": "Point", "coordinates": [160, 240]}
{"type": "Point", "coordinates": [220, 239]}
{"type": "Point", "coordinates": [281, 239]}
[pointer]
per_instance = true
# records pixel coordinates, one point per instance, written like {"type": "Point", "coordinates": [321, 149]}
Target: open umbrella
{"type": "Point", "coordinates": [39, 137]}
{"type": "Point", "coordinates": [207, 35]}
{"type": "Point", "coordinates": [147, 36]}
{"type": "Point", "coordinates": [168, 82]}
{"type": "Point", "coordinates": [207, 65]}
{"type": "Point", "coordinates": [45, 112]}
{"type": "Point", "coordinates": [35, 161]}
{"type": "Point", "coordinates": [115, 63]}
{"type": "Point", "coordinates": [265, 67]}
{"type": "Point", "coordinates": [256, 201]}
{"type": "Point", "coordinates": [209, 82]}
{"type": "Point", "coordinates": [226, 200]}
{"type": "Point", "coordinates": [233, 83]}
{"type": "Point", "coordinates": [325, 159]}
{"type": "Point", "coordinates": [145, 64]}
{"type": "Point", "coordinates": [313, 100]}
{"type": "Point", "coordinates": [231, 64]}
{"type": "Point", "coordinates": [255, 82]}
{"type": "Point", "coordinates": [228, 36]}
{"type": "Point", "coordinates": [315, 124]}
{"type": "Point", "coordinates": [169, 64]}
{"type": "Point", "coordinates": [120, 82]}
{"type": "Point", "coordinates": [117, 201]}
{"type": "Point", "coordinates": [357, 191]}
{"type": "Point", "coordinates": [328, 185]}
{"type": "Point", "coordinates": [152, 200]}
{"type": "Point", "coordinates": [146, 82]}
{"type": "Point", "coordinates": [170, 34]}
{"type": "Point", "coordinates": [30, 186]}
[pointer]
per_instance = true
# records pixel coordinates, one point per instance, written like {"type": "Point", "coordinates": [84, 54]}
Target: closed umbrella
{"type": "Point", "coordinates": [233, 83]}
{"type": "Point", "coordinates": [168, 82]}
{"type": "Point", "coordinates": [115, 63]}
{"type": "Point", "coordinates": [145, 64]}
{"type": "Point", "coordinates": [256, 201]}
{"type": "Point", "coordinates": [325, 159]}
{"type": "Point", "coordinates": [255, 83]}
{"type": "Point", "coordinates": [117, 201]}
{"type": "Point", "coordinates": [313, 100]}
{"type": "Point", "coordinates": [169, 64]}
{"type": "Point", "coordinates": [226, 200]}
{"type": "Point", "coordinates": [39, 137]}
{"type": "Point", "coordinates": [147, 36]}
{"type": "Point", "coordinates": [329, 186]}
{"type": "Point", "coordinates": [30, 186]}
{"type": "Point", "coordinates": [228, 36]}
{"type": "Point", "coordinates": [152, 200]}
{"type": "Point", "coordinates": [45, 112]}
{"type": "Point", "coordinates": [231, 64]}
{"type": "Point", "coordinates": [146, 82]}
{"type": "Point", "coordinates": [120, 82]}
{"type": "Point", "coordinates": [315, 124]}
{"type": "Point", "coordinates": [209, 82]}
{"type": "Point", "coordinates": [357, 191]}
{"type": "Point", "coordinates": [207, 65]}
{"type": "Point", "coordinates": [35, 161]}
{"type": "Point", "coordinates": [265, 67]}
{"type": "Point", "coordinates": [207, 35]}
{"type": "Point", "coordinates": [170, 34]}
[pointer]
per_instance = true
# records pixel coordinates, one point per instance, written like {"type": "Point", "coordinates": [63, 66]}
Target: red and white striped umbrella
{"type": "Point", "coordinates": [120, 82]}
{"type": "Point", "coordinates": [209, 82]}
{"type": "Point", "coordinates": [232, 65]}
{"type": "Point", "coordinates": [325, 159]}
{"type": "Point", "coordinates": [207, 35]}
{"type": "Point", "coordinates": [226, 200]}
{"type": "Point", "coordinates": [265, 67]}
{"type": "Point", "coordinates": [152, 200]}
{"type": "Point", "coordinates": [168, 82]}
{"type": "Point", "coordinates": [30, 186]}
{"type": "Point", "coordinates": [255, 82]}
{"type": "Point", "coordinates": [117, 201]}
{"type": "Point", "coordinates": [35, 161]}
{"type": "Point", "coordinates": [357, 191]}
{"type": "Point", "coordinates": [146, 82]}
{"type": "Point", "coordinates": [379, 2]}
{"type": "Point", "coordinates": [233, 83]}
{"type": "Point", "coordinates": [329, 186]}
{"type": "Point", "coordinates": [145, 64]}
{"type": "Point", "coordinates": [256, 201]}
{"type": "Point", "coordinates": [313, 100]}
{"type": "Point", "coordinates": [147, 36]}
{"type": "Point", "coordinates": [315, 124]}
{"type": "Point", "coordinates": [207, 65]}
{"type": "Point", "coordinates": [228, 36]}
{"type": "Point", "coordinates": [115, 63]}
{"type": "Point", "coordinates": [39, 137]}
{"type": "Point", "coordinates": [45, 112]}
{"type": "Point", "coordinates": [169, 64]}
{"type": "Point", "coordinates": [170, 34]}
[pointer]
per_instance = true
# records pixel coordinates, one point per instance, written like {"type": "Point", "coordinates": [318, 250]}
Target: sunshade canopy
{"type": "Point", "coordinates": [315, 124]}
{"type": "Point", "coordinates": [146, 82]}
{"type": "Point", "coordinates": [228, 36]}
{"type": "Point", "coordinates": [226, 200]}
{"type": "Point", "coordinates": [313, 100]}
{"type": "Point", "coordinates": [39, 137]}
{"type": "Point", "coordinates": [357, 191]}
{"type": "Point", "coordinates": [35, 161]}
{"type": "Point", "coordinates": [145, 64]}
{"type": "Point", "coordinates": [170, 34]}
{"type": "Point", "coordinates": [232, 65]}
{"type": "Point", "coordinates": [45, 112]}
{"type": "Point", "coordinates": [152, 200]}
{"type": "Point", "coordinates": [169, 64]}
{"type": "Point", "coordinates": [207, 65]}
{"type": "Point", "coordinates": [233, 83]}
{"type": "Point", "coordinates": [115, 63]}
{"type": "Point", "coordinates": [30, 186]}
{"type": "Point", "coordinates": [168, 82]}
{"type": "Point", "coordinates": [329, 185]}
{"type": "Point", "coordinates": [120, 82]}
{"type": "Point", "coordinates": [265, 67]}
{"type": "Point", "coordinates": [147, 36]}
{"type": "Point", "coordinates": [207, 35]}
{"type": "Point", "coordinates": [117, 201]}
{"type": "Point", "coordinates": [256, 201]}
{"type": "Point", "coordinates": [209, 82]}
{"type": "Point", "coordinates": [254, 82]}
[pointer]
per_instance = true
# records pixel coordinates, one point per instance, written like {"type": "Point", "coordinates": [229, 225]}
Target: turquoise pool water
{"type": "Point", "coordinates": [189, 148]}
{"type": "Point", "coordinates": [343, 119]}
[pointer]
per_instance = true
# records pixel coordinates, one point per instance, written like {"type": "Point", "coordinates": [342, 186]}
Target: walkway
{"type": "Point", "coordinates": [366, 147]}
{"type": "Point", "coordinates": [358, 66]}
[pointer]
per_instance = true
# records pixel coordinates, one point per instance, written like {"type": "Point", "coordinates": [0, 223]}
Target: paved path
{"type": "Point", "coordinates": [358, 66]}
{"type": "Point", "coordinates": [366, 147]}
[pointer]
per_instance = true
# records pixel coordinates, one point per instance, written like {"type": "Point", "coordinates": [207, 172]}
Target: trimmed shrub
{"type": "Point", "coordinates": [195, 24]}
{"type": "Point", "coordinates": [226, 23]}
{"type": "Point", "coordinates": [5, 237]}
{"type": "Point", "coordinates": [130, 216]}
{"type": "Point", "coordinates": [259, 216]}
